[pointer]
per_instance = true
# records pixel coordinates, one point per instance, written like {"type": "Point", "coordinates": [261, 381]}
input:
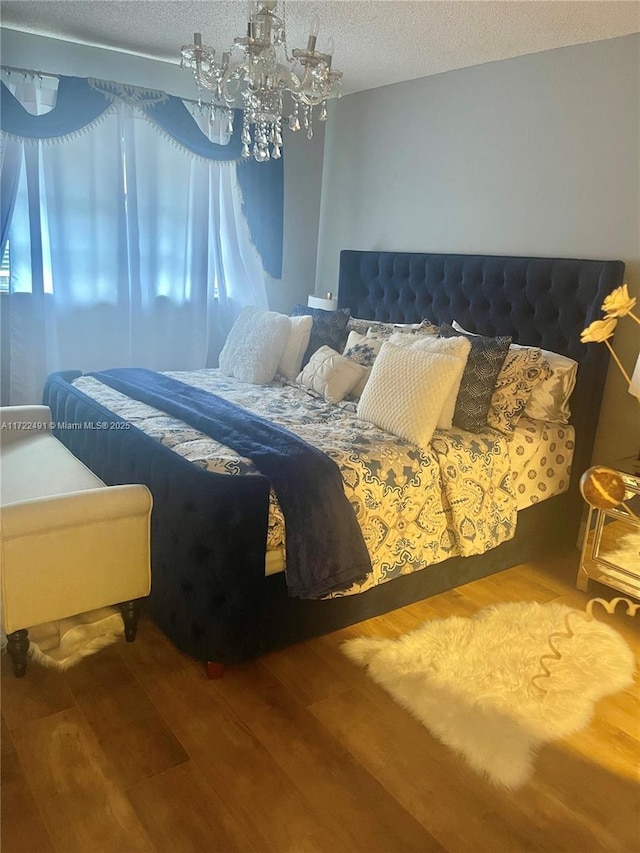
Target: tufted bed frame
{"type": "Point", "coordinates": [209, 590]}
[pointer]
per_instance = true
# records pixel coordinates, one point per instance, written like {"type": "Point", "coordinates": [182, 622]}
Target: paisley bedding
{"type": "Point", "coordinates": [416, 507]}
{"type": "Point", "coordinates": [541, 457]}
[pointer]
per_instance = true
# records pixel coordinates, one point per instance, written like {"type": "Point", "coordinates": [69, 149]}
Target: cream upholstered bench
{"type": "Point", "coordinates": [68, 543]}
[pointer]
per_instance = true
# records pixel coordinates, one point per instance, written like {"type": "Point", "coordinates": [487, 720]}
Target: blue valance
{"type": "Point", "coordinates": [81, 102]}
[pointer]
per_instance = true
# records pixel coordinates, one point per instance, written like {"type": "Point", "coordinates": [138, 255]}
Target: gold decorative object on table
{"type": "Point", "coordinates": [603, 488]}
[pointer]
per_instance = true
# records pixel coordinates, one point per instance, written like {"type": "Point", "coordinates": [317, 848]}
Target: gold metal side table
{"type": "Point", "coordinates": [611, 545]}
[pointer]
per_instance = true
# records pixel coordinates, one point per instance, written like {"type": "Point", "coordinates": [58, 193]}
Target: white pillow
{"type": "Point", "coordinates": [549, 400]}
{"type": "Point", "coordinates": [330, 374]}
{"type": "Point", "coordinates": [407, 390]}
{"type": "Point", "coordinates": [455, 347]}
{"type": "Point", "coordinates": [255, 345]}
{"type": "Point", "coordinates": [455, 325]}
{"type": "Point", "coordinates": [296, 346]}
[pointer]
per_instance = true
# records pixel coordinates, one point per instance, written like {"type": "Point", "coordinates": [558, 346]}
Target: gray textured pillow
{"type": "Point", "coordinates": [328, 329]}
{"type": "Point", "coordinates": [484, 363]}
{"type": "Point", "coordinates": [255, 345]}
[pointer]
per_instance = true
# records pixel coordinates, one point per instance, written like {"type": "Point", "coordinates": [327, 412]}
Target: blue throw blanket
{"type": "Point", "coordinates": [325, 548]}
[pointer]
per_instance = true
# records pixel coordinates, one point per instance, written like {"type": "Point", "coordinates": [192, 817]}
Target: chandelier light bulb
{"type": "Point", "coordinates": [330, 49]}
{"type": "Point", "coordinates": [314, 29]}
{"type": "Point", "coordinates": [258, 73]}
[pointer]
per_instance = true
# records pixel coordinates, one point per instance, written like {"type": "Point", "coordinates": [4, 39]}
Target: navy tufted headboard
{"type": "Point", "coordinates": [544, 302]}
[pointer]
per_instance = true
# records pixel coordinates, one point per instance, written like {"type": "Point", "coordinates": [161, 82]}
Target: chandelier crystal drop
{"type": "Point", "coordinates": [258, 76]}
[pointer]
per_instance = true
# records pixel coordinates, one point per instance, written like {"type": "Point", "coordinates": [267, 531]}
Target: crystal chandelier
{"type": "Point", "coordinates": [256, 74]}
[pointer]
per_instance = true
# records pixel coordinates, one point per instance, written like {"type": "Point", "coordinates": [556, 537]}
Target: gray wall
{"type": "Point", "coordinates": [302, 164]}
{"type": "Point", "coordinates": [537, 155]}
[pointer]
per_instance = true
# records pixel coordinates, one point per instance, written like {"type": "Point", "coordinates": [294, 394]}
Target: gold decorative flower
{"type": "Point", "coordinates": [599, 330]}
{"type": "Point", "coordinates": [618, 303]}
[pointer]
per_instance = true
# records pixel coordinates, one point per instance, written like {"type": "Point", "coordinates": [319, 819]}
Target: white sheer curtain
{"type": "Point", "coordinates": [120, 243]}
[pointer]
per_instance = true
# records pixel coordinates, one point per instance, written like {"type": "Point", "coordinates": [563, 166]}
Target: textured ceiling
{"type": "Point", "coordinates": [376, 42]}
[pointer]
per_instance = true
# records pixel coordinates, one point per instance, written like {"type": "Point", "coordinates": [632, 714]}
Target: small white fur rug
{"type": "Point", "coordinates": [626, 554]}
{"type": "Point", "coordinates": [60, 645]}
{"type": "Point", "coordinates": [468, 680]}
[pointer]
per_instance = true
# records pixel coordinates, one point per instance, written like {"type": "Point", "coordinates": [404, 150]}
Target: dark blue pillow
{"type": "Point", "coordinates": [329, 328]}
{"type": "Point", "coordinates": [478, 382]}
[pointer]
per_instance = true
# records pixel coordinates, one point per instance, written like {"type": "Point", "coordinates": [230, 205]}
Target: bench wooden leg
{"type": "Point", "coordinates": [17, 646]}
{"type": "Point", "coordinates": [130, 611]}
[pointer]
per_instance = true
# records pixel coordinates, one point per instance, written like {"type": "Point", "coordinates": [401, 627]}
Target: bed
{"type": "Point", "coordinates": [210, 592]}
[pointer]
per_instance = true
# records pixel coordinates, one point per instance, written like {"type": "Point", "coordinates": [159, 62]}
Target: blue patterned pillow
{"type": "Point", "coordinates": [361, 349]}
{"type": "Point", "coordinates": [478, 383]}
{"type": "Point", "coordinates": [329, 328]}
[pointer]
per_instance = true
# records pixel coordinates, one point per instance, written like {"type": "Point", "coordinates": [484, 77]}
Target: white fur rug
{"type": "Point", "coordinates": [627, 551]}
{"type": "Point", "coordinates": [65, 643]}
{"type": "Point", "coordinates": [468, 680]}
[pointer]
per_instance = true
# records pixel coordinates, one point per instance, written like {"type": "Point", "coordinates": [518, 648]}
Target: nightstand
{"type": "Point", "coordinates": [611, 546]}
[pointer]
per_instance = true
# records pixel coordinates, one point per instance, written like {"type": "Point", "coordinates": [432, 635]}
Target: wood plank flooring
{"type": "Point", "coordinates": [134, 750]}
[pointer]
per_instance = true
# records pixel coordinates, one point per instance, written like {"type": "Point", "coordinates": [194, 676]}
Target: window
{"type": "Point", "coordinates": [5, 270]}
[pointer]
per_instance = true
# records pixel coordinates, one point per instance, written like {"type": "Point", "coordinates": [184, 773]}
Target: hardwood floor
{"type": "Point", "coordinates": [134, 750]}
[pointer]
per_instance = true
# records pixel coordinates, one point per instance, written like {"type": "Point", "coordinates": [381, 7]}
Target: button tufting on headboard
{"type": "Point", "coordinates": [539, 301]}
